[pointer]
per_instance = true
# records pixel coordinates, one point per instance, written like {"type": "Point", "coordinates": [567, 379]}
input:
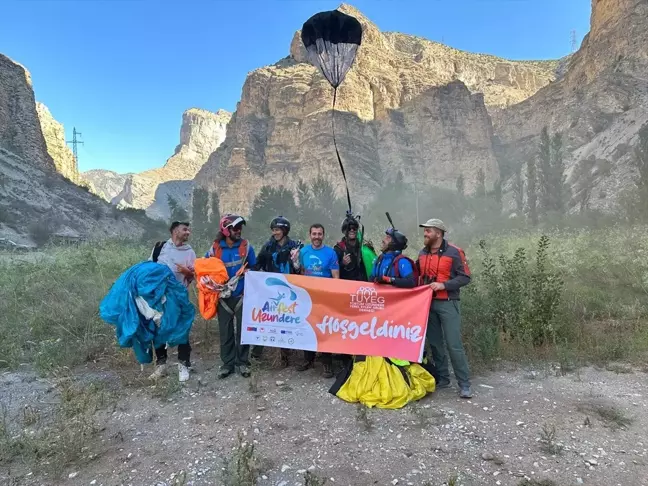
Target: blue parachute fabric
{"type": "Point", "coordinates": [157, 285]}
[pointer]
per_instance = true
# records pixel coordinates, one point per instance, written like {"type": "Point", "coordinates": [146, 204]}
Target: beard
{"type": "Point", "coordinates": [431, 241]}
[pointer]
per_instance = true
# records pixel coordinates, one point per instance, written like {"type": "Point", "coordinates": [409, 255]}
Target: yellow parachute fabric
{"type": "Point", "coordinates": [375, 382]}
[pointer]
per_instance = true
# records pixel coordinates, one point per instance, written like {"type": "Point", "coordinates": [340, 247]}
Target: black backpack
{"type": "Point", "coordinates": [157, 249]}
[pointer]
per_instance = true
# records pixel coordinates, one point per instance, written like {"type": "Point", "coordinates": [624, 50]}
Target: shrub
{"type": "Point", "coordinates": [523, 298]}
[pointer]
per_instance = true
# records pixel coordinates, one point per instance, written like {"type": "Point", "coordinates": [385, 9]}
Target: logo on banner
{"type": "Point", "coordinates": [282, 308]}
{"type": "Point", "coordinates": [366, 299]}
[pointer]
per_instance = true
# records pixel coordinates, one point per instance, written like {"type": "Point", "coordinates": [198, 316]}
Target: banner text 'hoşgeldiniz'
{"type": "Point", "coordinates": [334, 316]}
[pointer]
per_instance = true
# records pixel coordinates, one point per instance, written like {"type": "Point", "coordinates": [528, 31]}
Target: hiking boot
{"type": "Point", "coordinates": [441, 384]}
{"type": "Point", "coordinates": [160, 371]}
{"type": "Point", "coordinates": [304, 366]}
{"type": "Point", "coordinates": [328, 371]}
{"type": "Point", "coordinates": [183, 372]}
{"type": "Point", "coordinates": [465, 392]}
{"type": "Point", "coordinates": [224, 372]}
{"type": "Point", "coordinates": [244, 370]}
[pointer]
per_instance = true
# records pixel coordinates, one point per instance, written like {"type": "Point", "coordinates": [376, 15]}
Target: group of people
{"type": "Point", "coordinates": [440, 265]}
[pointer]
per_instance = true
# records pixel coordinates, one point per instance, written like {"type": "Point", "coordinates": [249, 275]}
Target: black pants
{"type": "Point", "coordinates": [327, 358]}
{"type": "Point", "coordinates": [230, 314]}
{"type": "Point", "coordinates": [184, 354]}
{"type": "Point", "coordinates": [257, 351]}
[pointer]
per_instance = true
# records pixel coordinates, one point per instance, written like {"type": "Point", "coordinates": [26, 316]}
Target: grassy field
{"type": "Point", "coordinates": [588, 302]}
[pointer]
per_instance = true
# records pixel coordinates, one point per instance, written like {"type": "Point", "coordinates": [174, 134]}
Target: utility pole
{"type": "Point", "coordinates": [574, 46]}
{"type": "Point", "coordinates": [74, 143]}
{"type": "Point", "coordinates": [417, 206]}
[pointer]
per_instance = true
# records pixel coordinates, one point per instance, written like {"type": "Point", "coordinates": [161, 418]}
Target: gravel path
{"type": "Point", "coordinates": [520, 424]}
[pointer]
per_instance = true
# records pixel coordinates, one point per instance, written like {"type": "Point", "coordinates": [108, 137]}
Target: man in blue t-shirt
{"type": "Point", "coordinates": [317, 260]}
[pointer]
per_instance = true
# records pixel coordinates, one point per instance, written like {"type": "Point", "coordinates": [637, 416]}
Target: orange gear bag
{"type": "Point", "coordinates": [213, 268]}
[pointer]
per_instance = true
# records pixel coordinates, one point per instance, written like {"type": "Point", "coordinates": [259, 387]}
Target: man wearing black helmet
{"type": "Point", "coordinates": [275, 257]}
{"type": "Point", "coordinates": [349, 252]}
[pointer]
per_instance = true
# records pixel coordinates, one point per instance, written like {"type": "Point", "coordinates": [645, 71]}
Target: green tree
{"type": "Point", "coordinates": [214, 214]}
{"type": "Point", "coordinates": [200, 212]}
{"type": "Point", "coordinates": [480, 191]}
{"type": "Point", "coordinates": [532, 192]}
{"type": "Point", "coordinates": [545, 178]}
{"type": "Point", "coordinates": [268, 204]}
{"type": "Point", "coordinates": [461, 184]}
{"type": "Point", "coordinates": [330, 209]}
{"type": "Point", "coordinates": [640, 163]}
{"type": "Point", "coordinates": [559, 187]}
{"type": "Point", "coordinates": [518, 191]}
{"type": "Point", "coordinates": [178, 213]}
{"type": "Point", "coordinates": [497, 192]}
{"type": "Point", "coordinates": [585, 174]}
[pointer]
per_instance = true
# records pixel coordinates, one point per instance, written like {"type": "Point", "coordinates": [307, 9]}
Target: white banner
{"type": "Point", "coordinates": [275, 313]}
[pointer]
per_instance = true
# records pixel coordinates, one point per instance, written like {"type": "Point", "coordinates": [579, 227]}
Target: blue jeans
{"type": "Point", "coordinates": [444, 327]}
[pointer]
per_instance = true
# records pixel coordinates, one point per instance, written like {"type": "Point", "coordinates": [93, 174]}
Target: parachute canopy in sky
{"type": "Point", "coordinates": [332, 39]}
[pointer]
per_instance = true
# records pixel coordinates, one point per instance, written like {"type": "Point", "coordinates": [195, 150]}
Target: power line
{"type": "Point", "coordinates": [74, 143]}
{"type": "Point", "coordinates": [574, 45]}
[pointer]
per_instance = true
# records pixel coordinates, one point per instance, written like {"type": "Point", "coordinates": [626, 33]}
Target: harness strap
{"type": "Point", "coordinates": [228, 309]}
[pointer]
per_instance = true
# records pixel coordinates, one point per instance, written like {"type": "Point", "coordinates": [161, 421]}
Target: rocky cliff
{"type": "Point", "coordinates": [201, 133]}
{"type": "Point", "coordinates": [36, 202]}
{"type": "Point", "coordinates": [599, 105]}
{"type": "Point", "coordinates": [408, 105]}
{"type": "Point", "coordinates": [20, 130]}
{"type": "Point", "coordinates": [105, 183]}
{"type": "Point", "coordinates": [56, 147]}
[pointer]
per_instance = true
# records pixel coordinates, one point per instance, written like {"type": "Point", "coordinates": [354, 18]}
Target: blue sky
{"type": "Point", "coordinates": [123, 71]}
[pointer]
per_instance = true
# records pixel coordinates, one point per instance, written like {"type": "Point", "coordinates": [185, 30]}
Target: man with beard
{"type": "Point", "coordinates": [235, 252]}
{"type": "Point", "coordinates": [317, 260]}
{"type": "Point", "coordinates": [178, 255]}
{"type": "Point", "coordinates": [444, 268]}
{"type": "Point", "coordinates": [349, 252]}
{"type": "Point", "coordinates": [275, 257]}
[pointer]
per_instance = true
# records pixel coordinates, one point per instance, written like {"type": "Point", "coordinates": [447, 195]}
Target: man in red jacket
{"type": "Point", "coordinates": [444, 268]}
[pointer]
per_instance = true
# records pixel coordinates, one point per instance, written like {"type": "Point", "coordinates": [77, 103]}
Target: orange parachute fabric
{"type": "Point", "coordinates": [211, 275]}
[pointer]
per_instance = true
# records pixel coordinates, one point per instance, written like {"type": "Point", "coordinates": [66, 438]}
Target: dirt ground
{"type": "Point", "coordinates": [586, 427]}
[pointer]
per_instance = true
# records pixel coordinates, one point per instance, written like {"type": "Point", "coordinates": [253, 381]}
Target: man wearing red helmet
{"type": "Point", "coordinates": [237, 254]}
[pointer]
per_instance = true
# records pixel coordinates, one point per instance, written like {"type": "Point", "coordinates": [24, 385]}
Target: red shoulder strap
{"type": "Point", "coordinates": [395, 264]}
{"type": "Point", "coordinates": [415, 271]}
{"type": "Point", "coordinates": [218, 251]}
{"type": "Point", "coordinates": [243, 249]}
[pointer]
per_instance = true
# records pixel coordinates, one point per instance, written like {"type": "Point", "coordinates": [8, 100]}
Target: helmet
{"type": "Point", "coordinates": [282, 223]}
{"type": "Point", "coordinates": [349, 223]}
{"type": "Point", "coordinates": [399, 240]}
{"type": "Point", "coordinates": [230, 221]}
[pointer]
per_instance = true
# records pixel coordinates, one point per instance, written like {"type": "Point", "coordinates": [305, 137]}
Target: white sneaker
{"type": "Point", "coordinates": [160, 371]}
{"type": "Point", "coordinates": [183, 372]}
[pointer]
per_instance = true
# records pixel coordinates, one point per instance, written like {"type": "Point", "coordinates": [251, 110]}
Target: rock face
{"type": "Point", "coordinates": [407, 105]}
{"type": "Point", "coordinates": [36, 201]}
{"type": "Point", "coordinates": [56, 147]}
{"type": "Point", "coordinates": [201, 133]}
{"type": "Point", "coordinates": [599, 105]}
{"type": "Point", "coordinates": [20, 130]}
{"type": "Point", "coordinates": [105, 183]}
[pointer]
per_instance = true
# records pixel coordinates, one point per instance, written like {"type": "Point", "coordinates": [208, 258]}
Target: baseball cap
{"type": "Point", "coordinates": [434, 223]}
